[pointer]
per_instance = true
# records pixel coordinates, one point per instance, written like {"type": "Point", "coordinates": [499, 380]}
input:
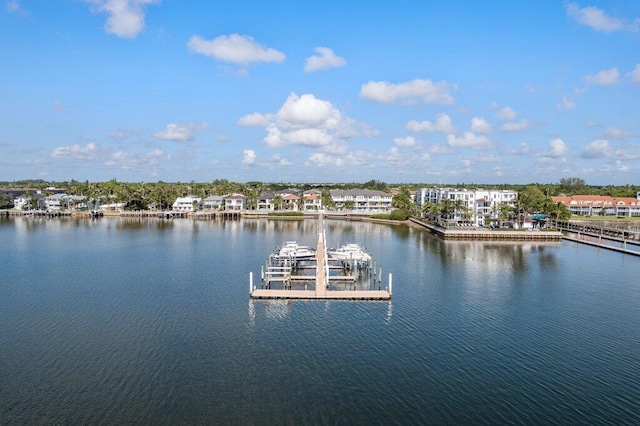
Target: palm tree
{"type": "Point", "coordinates": [505, 212]}
{"type": "Point", "coordinates": [458, 204]}
{"type": "Point", "coordinates": [446, 209]}
{"type": "Point", "coordinates": [348, 205]}
{"type": "Point", "coordinates": [277, 202]}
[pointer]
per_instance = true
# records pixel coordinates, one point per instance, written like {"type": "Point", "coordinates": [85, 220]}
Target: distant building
{"type": "Point", "coordinates": [312, 200]}
{"type": "Point", "coordinates": [112, 207]}
{"type": "Point", "coordinates": [62, 202]}
{"type": "Point", "coordinates": [266, 202]}
{"type": "Point", "coordinates": [480, 204]}
{"type": "Point", "coordinates": [28, 202]}
{"type": "Point", "coordinates": [235, 202]}
{"type": "Point", "coordinates": [215, 202]}
{"type": "Point", "coordinates": [187, 204]}
{"type": "Point", "coordinates": [362, 200]}
{"type": "Point", "coordinates": [601, 205]}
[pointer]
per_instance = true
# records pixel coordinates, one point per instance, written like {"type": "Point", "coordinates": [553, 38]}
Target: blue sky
{"type": "Point", "coordinates": [320, 91]}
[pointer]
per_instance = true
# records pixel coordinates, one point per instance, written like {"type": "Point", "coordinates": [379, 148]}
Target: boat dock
{"type": "Point", "coordinates": [485, 234]}
{"type": "Point", "coordinates": [325, 286]}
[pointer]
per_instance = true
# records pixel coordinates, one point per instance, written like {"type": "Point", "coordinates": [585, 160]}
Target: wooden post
{"type": "Point", "coordinates": [250, 282]}
{"type": "Point", "coordinates": [390, 283]}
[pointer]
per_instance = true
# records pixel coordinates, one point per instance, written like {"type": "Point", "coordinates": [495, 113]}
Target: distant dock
{"type": "Point", "coordinates": [325, 286]}
{"type": "Point", "coordinates": [484, 234]}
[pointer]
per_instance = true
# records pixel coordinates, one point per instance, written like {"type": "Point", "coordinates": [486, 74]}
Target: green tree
{"type": "Point", "coordinates": [506, 212]}
{"type": "Point", "coordinates": [447, 207]}
{"type": "Point", "coordinates": [348, 205]}
{"type": "Point", "coordinates": [327, 201]}
{"type": "Point", "coordinates": [572, 185]}
{"type": "Point", "coordinates": [5, 202]}
{"type": "Point", "coordinates": [278, 202]}
{"type": "Point", "coordinates": [402, 200]}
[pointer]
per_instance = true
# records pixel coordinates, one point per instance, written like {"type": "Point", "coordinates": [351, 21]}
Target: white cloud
{"type": "Point", "coordinates": [254, 120]}
{"type": "Point", "coordinates": [627, 154]}
{"type": "Point", "coordinates": [605, 77]}
{"type": "Point", "coordinates": [308, 121]}
{"type": "Point", "coordinates": [357, 158]}
{"type": "Point", "coordinates": [126, 17]}
{"type": "Point", "coordinates": [409, 141]}
{"type": "Point", "coordinates": [300, 112]}
{"type": "Point", "coordinates": [516, 126]}
{"type": "Point", "coordinates": [248, 157]}
{"type": "Point", "coordinates": [557, 149]}
{"type": "Point", "coordinates": [88, 152]}
{"type": "Point", "coordinates": [278, 161]}
{"type": "Point", "coordinates": [324, 59]}
{"type": "Point", "coordinates": [480, 125]}
{"type": "Point", "coordinates": [469, 140]}
{"type": "Point", "coordinates": [135, 160]}
{"type": "Point", "coordinates": [443, 124]}
{"type": "Point", "coordinates": [635, 74]}
{"type": "Point", "coordinates": [506, 114]}
{"type": "Point", "coordinates": [439, 149]}
{"type": "Point", "coordinates": [565, 104]}
{"type": "Point", "coordinates": [617, 167]}
{"type": "Point", "coordinates": [14, 7]}
{"type": "Point", "coordinates": [236, 49]}
{"type": "Point", "coordinates": [175, 132]}
{"type": "Point", "coordinates": [597, 20]}
{"type": "Point", "coordinates": [597, 149]}
{"type": "Point", "coordinates": [425, 90]}
{"type": "Point", "coordinates": [614, 133]}
{"type": "Point", "coordinates": [307, 137]}
{"type": "Point", "coordinates": [121, 134]}
{"type": "Point", "coordinates": [58, 107]}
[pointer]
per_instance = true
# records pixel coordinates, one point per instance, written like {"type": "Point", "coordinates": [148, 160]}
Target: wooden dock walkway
{"type": "Point", "coordinates": [322, 278]}
{"type": "Point", "coordinates": [327, 295]}
{"type": "Point", "coordinates": [484, 234]}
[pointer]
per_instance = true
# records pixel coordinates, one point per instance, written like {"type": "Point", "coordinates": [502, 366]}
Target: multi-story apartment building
{"type": "Point", "coordinates": [362, 200]}
{"type": "Point", "coordinates": [479, 204]}
{"type": "Point", "coordinates": [601, 205]}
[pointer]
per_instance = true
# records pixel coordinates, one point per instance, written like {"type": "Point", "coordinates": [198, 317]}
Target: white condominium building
{"type": "Point", "coordinates": [481, 204]}
{"type": "Point", "coordinates": [362, 200]}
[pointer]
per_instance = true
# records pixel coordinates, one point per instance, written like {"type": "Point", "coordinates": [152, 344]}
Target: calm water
{"type": "Point", "coordinates": [149, 322]}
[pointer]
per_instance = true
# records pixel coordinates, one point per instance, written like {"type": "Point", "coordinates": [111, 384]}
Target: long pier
{"type": "Point", "coordinates": [321, 280]}
{"type": "Point", "coordinates": [488, 235]}
{"type": "Point", "coordinates": [597, 235]}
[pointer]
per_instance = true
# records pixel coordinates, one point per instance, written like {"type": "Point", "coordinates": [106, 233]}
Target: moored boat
{"type": "Point", "coordinates": [291, 249]}
{"type": "Point", "coordinates": [350, 251]}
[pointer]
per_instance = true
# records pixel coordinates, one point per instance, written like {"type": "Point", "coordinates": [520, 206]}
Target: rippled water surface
{"type": "Point", "coordinates": [120, 321]}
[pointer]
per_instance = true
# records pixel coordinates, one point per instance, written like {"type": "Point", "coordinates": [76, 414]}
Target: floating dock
{"type": "Point", "coordinates": [325, 286]}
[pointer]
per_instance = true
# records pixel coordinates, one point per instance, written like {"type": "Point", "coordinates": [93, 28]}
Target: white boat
{"type": "Point", "coordinates": [293, 250]}
{"type": "Point", "coordinates": [350, 251]}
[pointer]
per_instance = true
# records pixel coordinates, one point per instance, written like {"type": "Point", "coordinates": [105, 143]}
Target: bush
{"type": "Point", "coordinates": [383, 216]}
{"type": "Point", "coordinates": [399, 214]}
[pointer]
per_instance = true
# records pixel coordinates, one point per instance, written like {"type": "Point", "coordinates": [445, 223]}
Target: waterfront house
{"type": "Point", "coordinates": [63, 202]}
{"type": "Point", "coordinates": [266, 202]}
{"type": "Point", "coordinates": [601, 205]}
{"type": "Point", "coordinates": [187, 204]}
{"type": "Point", "coordinates": [312, 200]}
{"type": "Point", "coordinates": [28, 202]}
{"type": "Point", "coordinates": [112, 207]}
{"type": "Point", "coordinates": [235, 202]}
{"type": "Point", "coordinates": [291, 202]}
{"type": "Point", "coordinates": [362, 200]}
{"type": "Point", "coordinates": [214, 202]}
